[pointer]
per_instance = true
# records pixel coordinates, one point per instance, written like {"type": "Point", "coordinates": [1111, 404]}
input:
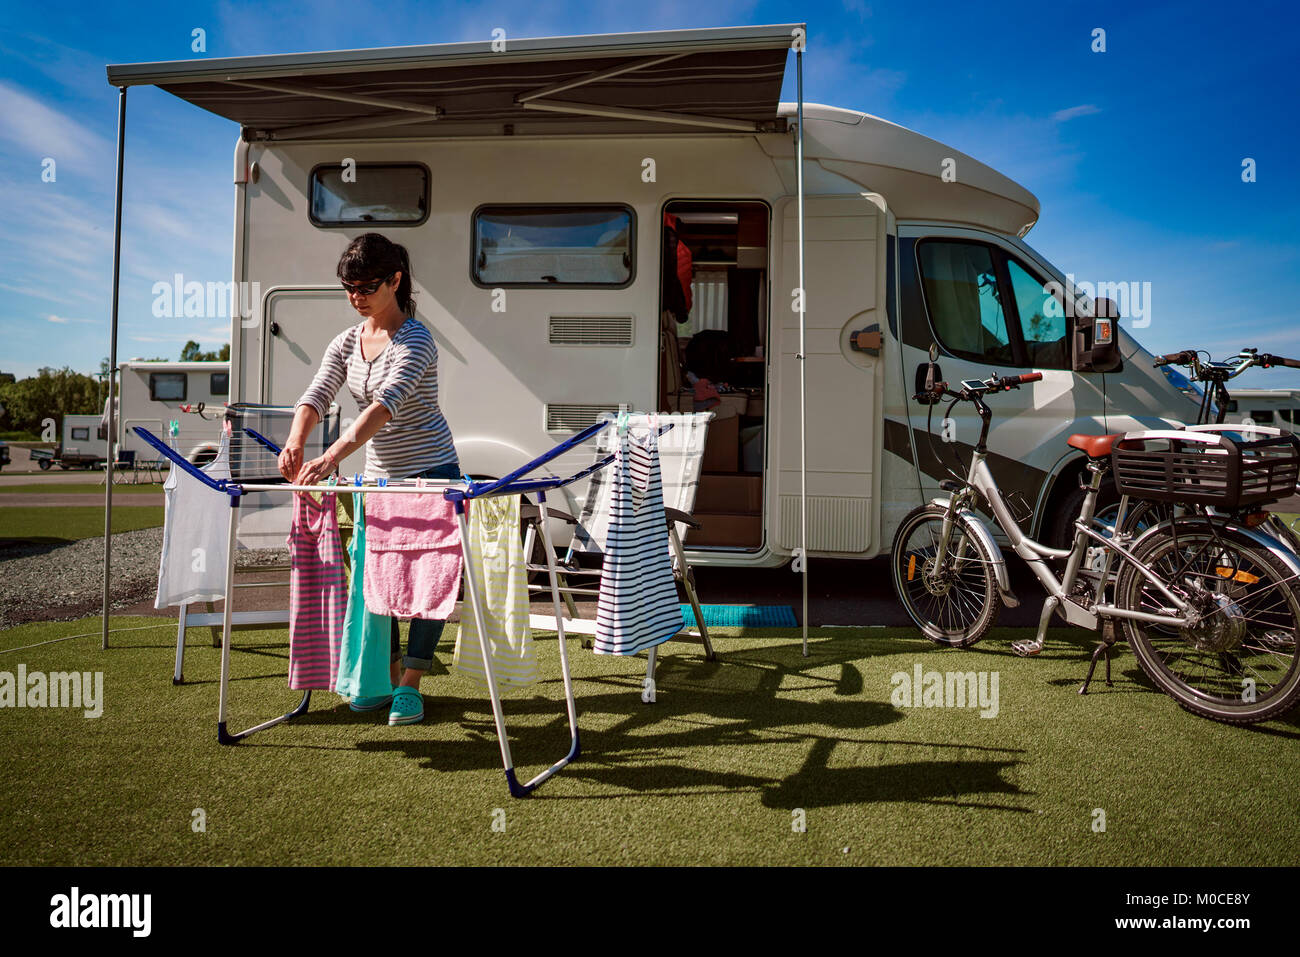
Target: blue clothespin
{"type": "Point", "coordinates": [356, 479]}
{"type": "Point", "coordinates": [383, 483]}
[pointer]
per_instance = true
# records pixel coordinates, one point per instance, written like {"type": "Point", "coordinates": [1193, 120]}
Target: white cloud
{"type": "Point", "coordinates": [63, 320]}
{"type": "Point", "coordinates": [39, 130]}
{"type": "Point", "coordinates": [1086, 109]}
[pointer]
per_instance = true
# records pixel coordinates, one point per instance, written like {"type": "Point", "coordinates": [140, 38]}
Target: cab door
{"type": "Point", "coordinates": [990, 308]}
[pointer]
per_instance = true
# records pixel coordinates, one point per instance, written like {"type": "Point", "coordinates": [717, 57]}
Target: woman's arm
{"type": "Point", "coordinates": [310, 408]}
{"type": "Point", "coordinates": [289, 462]}
{"type": "Point", "coordinates": [374, 418]}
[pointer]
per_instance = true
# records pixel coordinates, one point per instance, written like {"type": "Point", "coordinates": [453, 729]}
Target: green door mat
{"type": "Point", "coordinates": [742, 616]}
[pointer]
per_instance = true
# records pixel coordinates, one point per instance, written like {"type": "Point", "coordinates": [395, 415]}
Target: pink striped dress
{"type": "Point", "coordinates": [317, 593]}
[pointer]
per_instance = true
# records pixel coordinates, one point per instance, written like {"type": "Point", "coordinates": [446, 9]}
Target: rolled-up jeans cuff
{"type": "Point", "coordinates": [417, 664]}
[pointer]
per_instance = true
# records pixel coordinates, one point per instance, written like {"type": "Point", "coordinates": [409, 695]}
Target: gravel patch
{"type": "Point", "coordinates": [43, 582]}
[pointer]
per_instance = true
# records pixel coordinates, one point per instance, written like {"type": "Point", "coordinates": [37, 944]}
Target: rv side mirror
{"type": "Point", "coordinates": [1096, 339]}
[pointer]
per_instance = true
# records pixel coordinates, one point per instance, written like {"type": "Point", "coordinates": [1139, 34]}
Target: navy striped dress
{"type": "Point", "coordinates": [638, 605]}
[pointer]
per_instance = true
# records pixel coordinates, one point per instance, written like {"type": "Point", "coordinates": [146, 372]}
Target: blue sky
{"type": "Point", "coordinates": [1135, 153]}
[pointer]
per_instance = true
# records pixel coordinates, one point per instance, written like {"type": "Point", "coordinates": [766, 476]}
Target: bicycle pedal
{"type": "Point", "coordinates": [1026, 648]}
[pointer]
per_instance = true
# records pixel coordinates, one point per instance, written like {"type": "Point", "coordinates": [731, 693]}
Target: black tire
{"type": "Point", "coordinates": [1065, 511]}
{"type": "Point", "coordinates": [958, 610]}
{"type": "Point", "coordinates": [44, 464]}
{"type": "Point", "coordinates": [1252, 619]}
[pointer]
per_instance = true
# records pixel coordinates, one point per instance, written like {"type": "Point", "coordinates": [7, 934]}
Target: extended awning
{"type": "Point", "coordinates": [672, 81]}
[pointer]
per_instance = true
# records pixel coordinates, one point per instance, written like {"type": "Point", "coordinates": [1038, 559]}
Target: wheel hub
{"type": "Point", "coordinates": [1221, 626]}
{"type": "Point", "coordinates": [938, 582]}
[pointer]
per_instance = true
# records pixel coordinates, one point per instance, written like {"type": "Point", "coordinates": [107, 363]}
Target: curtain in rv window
{"type": "Point", "coordinates": [392, 193]}
{"type": "Point", "coordinates": [167, 386]}
{"type": "Point", "coordinates": [963, 299]}
{"type": "Point", "coordinates": [553, 246]}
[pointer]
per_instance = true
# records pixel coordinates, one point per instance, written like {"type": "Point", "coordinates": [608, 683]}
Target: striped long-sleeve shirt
{"type": "Point", "coordinates": [404, 379]}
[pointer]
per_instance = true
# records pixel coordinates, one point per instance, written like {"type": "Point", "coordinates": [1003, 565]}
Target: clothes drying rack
{"type": "Point", "coordinates": [459, 494]}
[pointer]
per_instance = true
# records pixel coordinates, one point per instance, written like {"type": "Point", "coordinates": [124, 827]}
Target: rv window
{"type": "Point", "coordinates": [392, 193]}
{"type": "Point", "coordinates": [1042, 320]}
{"type": "Point", "coordinates": [963, 298]}
{"type": "Point", "coordinates": [81, 435]}
{"type": "Point", "coordinates": [219, 383]}
{"type": "Point", "coordinates": [167, 386]}
{"type": "Point", "coordinates": [1262, 416]}
{"type": "Point", "coordinates": [552, 246]}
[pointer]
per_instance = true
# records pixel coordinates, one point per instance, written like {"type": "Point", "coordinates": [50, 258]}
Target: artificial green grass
{"type": "Point", "coordinates": [44, 523]}
{"type": "Point", "coordinates": [715, 772]}
{"type": "Point", "coordinates": [78, 488]}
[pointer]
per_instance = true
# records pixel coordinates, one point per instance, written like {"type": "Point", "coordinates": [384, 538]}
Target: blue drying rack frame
{"type": "Point", "coordinates": [511, 484]}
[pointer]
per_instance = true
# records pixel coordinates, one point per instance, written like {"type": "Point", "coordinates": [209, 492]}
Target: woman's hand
{"type": "Point", "coordinates": [315, 470]}
{"type": "Point", "coordinates": [289, 461]}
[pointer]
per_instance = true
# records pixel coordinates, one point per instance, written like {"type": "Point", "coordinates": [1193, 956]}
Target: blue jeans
{"type": "Point", "coordinates": [422, 637]}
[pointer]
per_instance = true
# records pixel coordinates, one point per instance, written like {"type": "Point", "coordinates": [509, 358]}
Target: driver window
{"type": "Point", "coordinates": [964, 301]}
{"type": "Point", "coordinates": [1042, 320]}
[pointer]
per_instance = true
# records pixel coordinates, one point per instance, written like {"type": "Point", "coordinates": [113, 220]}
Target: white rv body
{"type": "Point", "coordinates": [151, 394]}
{"type": "Point", "coordinates": [510, 389]}
{"type": "Point", "coordinates": [83, 441]}
{"type": "Point", "coordinates": [1279, 408]}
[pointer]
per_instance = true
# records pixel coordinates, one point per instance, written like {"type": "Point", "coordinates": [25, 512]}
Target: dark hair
{"type": "Point", "coordinates": [374, 256]}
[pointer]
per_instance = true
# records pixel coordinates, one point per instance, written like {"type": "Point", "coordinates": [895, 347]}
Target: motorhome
{"type": "Point", "coordinates": [155, 394]}
{"type": "Point", "coordinates": [540, 186]}
{"type": "Point", "coordinates": [1279, 408]}
{"type": "Point", "coordinates": [83, 442]}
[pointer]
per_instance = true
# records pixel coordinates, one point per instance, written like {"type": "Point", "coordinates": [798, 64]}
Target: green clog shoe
{"type": "Point", "coordinates": [370, 704]}
{"type": "Point", "coordinates": [408, 706]}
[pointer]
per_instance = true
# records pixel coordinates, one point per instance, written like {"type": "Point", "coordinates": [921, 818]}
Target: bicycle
{"type": "Point", "coordinates": [1210, 607]}
{"type": "Point", "coordinates": [1215, 402]}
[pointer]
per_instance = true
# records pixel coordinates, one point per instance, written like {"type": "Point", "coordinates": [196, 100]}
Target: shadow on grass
{"type": "Point", "coordinates": [752, 699]}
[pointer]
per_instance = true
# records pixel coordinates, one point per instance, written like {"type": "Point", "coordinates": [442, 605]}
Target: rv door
{"type": "Point", "coordinates": [983, 301]}
{"type": "Point", "coordinates": [844, 275]}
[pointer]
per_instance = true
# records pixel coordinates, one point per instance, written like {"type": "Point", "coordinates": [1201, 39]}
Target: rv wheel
{"type": "Point", "coordinates": [44, 464]}
{"type": "Point", "coordinates": [1066, 510]}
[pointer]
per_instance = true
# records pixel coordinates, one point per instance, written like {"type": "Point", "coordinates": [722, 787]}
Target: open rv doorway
{"type": "Point", "coordinates": [715, 359]}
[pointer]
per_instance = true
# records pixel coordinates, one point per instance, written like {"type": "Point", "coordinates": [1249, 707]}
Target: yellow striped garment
{"type": "Point", "coordinates": [496, 556]}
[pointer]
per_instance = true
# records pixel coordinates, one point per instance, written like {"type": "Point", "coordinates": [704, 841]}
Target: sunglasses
{"type": "Point", "coordinates": [366, 288]}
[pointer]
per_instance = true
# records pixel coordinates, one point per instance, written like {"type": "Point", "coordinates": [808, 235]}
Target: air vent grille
{"type": "Point", "coordinates": [574, 417]}
{"type": "Point", "coordinates": [590, 330]}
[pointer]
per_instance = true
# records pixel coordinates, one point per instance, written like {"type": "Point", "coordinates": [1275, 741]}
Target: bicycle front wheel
{"type": "Point", "coordinates": [953, 598]}
{"type": "Point", "coordinates": [1237, 661]}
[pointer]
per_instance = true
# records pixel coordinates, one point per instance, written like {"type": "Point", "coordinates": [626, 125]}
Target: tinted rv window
{"type": "Point", "coordinates": [1262, 416]}
{"type": "Point", "coordinates": [964, 300]}
{"type": "Point", "coordinates": [220, 383]}
{"type": "Point", "coordinates": [1042, 320]}
{"type": "Point", "coordinates": [167, 386]}
{"type": "Point", "coordinates": [552, 246]}
{"type": "Point", "coordinates": [397, 194]}
{"type": "Point", "coordinates": [81, 435]}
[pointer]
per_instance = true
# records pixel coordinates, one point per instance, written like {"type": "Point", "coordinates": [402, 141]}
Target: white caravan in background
{"type": "Point", "coordinates": [532, 187]}
{"type": "Point", "coordinates": [1279, 408]}
{"type": "Point", "coordinates": [151, 394]}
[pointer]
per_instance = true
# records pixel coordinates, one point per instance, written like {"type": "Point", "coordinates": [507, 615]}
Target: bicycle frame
{"type": "Point", "coordinates": [1060, 591]}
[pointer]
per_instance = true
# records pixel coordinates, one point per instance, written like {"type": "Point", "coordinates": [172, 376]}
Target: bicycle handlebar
{"type": "Point", "coordinates": [1266, 360]}
{"type": "Point", "coordinates": [1186, 357]}
{"type": "Point", "coordinates": [974, 388]}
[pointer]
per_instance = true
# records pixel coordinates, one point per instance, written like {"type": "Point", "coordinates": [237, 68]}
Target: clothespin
{"type": "Point", "coordinates": [419, 483]}
{"type": "Point", "coordinates": [225, 427]}
{"type": "Point", "coordinates": [622, 423]}
{"type": "Point", "coordinates": [383, 483]}
{"type": "Point", "coordinates": [173, 428]}
{"type": "Point", "coordinates": [356, 479]}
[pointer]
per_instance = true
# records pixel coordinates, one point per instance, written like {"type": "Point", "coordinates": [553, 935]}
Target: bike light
{"type": "Point", "coordinates": [1254, 519]}
{"type": "Point", "coordinates": [1243, 578]}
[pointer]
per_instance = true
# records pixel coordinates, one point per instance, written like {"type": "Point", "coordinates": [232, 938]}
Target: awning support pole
{"type": "Point", "coordinates": [112, 362]}
{"type": "Point", "coordinates": [803, 363]}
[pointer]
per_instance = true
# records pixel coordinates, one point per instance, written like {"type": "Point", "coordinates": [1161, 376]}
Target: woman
{"type": "Point", "coordinates": [390, 365]}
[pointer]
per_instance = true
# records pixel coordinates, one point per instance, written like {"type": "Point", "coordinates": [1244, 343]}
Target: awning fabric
{"type": "Point", "coordinates": [677, 81]}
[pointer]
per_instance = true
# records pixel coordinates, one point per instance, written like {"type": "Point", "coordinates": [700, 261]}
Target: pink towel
{"type": "Point", "coordinates": [413, 556]}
